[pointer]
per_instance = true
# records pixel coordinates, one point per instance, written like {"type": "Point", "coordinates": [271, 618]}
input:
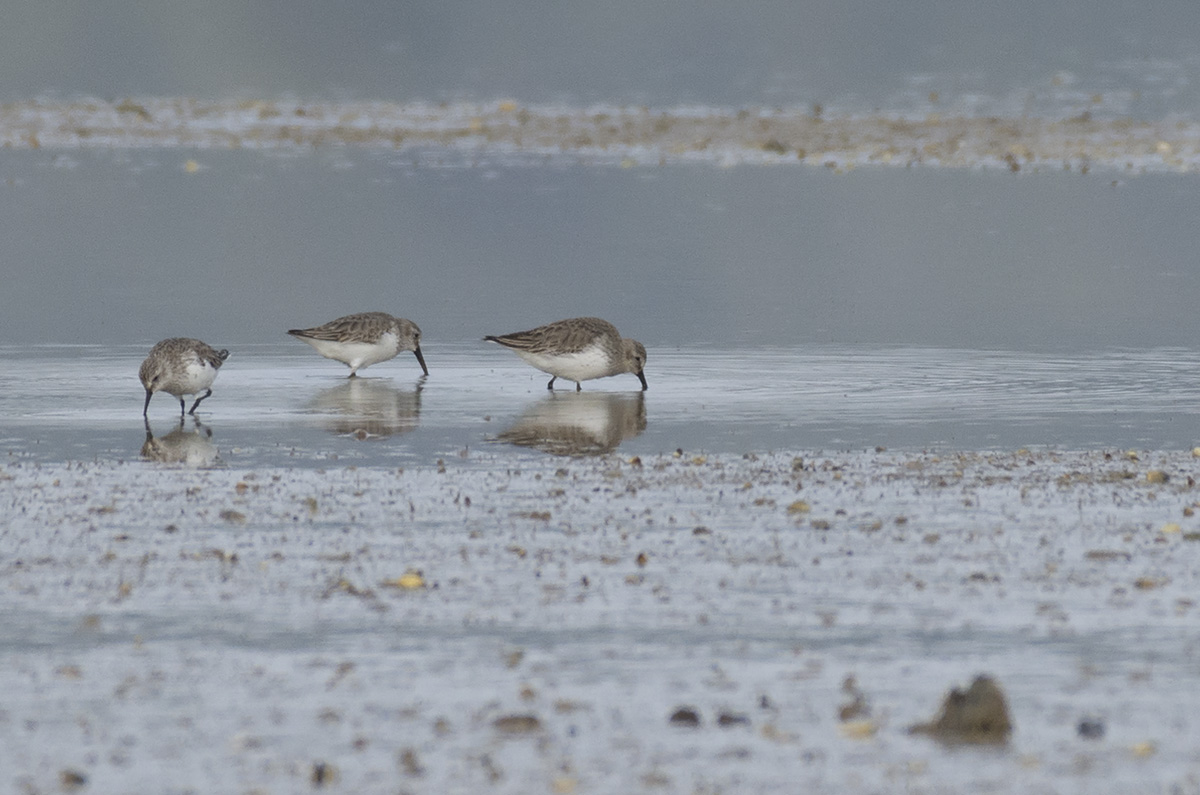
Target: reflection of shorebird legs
{"type": "Point", "coordinates": [182, 445]}
{"type": "Point", "coordinates": [369, 407]}
{"type": "Point", "coordinates": [150, 433]}
{"type": "Point", "coordinates": [581, 424]}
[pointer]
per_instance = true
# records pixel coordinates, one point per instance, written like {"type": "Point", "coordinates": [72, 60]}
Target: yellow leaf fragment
{"type": "Point", "coordinates": [863, 729]}
{"type": "Point", "coordinates": [410, 580]}
{"type": "Point", "coordinates": [564, 785]}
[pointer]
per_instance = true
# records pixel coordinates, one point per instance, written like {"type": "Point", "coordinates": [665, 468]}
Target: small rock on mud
{"type": "Point", "coordinates": [977, 716]}
{"type": "Point", "coordinates": [685, 716]}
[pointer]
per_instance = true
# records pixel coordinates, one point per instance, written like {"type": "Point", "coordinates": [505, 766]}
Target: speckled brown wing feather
{"type": "Point", "coordinates": [562, 336]}
{"type": "Point", "coordinates": [362, 327]}
{"type": "Point", "coordinates": [177, 348]}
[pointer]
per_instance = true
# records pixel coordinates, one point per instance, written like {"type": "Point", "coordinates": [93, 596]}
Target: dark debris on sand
{"type": "Point", "coordinates": [978, 716]}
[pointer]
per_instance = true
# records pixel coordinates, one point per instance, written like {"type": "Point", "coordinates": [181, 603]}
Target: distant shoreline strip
{"type": "Point", "coordinates": [618, 135]}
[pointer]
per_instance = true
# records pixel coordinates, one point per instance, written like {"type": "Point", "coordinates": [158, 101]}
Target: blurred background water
{"type": "Point", "coordinates": [1007, 58]}
{"type": "Point", "coordinates": [130, 248]}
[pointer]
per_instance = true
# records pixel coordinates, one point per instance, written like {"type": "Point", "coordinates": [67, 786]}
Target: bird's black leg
{"type": "Point", "coordinates": [197, 403]}
{"type": "Point", "coordinates": [551, 384]}
{"type": "Point", "coordinates": [182, 407]}
{"type": "Point", "coordinates": [578, 387]}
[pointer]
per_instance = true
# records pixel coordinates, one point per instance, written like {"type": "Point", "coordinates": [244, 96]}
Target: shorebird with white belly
{"type": "Point", "coordinates": [180, 366]}
{"type": "Point", "coordinates": [364, 339]}
{"type": "Point", "coordinates": [578, 349]}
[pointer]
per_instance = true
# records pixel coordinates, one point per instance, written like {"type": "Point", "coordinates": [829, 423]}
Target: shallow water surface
{"type": "Point", "coordinates": [276, 405]}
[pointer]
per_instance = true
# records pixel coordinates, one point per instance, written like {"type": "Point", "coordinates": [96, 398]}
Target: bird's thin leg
{"type": "Point", "coordinates": [551, 384]}
{"type": "Point", "coordinates": [182, 406]}
{"type": "Point", "coordinates": [578, 387]}
{"type": "Point", "coordinates": [197, 403]}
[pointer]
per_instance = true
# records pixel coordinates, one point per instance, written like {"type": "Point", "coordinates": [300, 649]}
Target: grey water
{"type": "Point", "coordinates": [1007, 58]}
{"type": "Point", "coordinates": [274, 406]}
{"type": "Point", "coordinates": [128, 248]}
{"type": "Point", "coordinates": [781, 309]}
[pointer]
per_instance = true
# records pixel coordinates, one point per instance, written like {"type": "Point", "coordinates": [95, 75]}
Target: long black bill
{"type": "Point", "coordinates": [642, 377]}
{"type": "Point", "coordinates": [146, 406]}
{"type": "Point", "coordinates": [421, 359]}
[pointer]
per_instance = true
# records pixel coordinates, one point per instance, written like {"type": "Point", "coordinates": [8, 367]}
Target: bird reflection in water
{"type": "Point", "coordinates": [579, 423]}
{"type": "Point", "coordinates": [368, 408]}
{"type": "Point", "coordinates": [189, 446]}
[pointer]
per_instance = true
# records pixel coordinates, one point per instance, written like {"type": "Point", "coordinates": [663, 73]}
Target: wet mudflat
{"type": "Point", "coordinates": [672, 623]}
{"type": "Point", "coordinates": [929, 135]}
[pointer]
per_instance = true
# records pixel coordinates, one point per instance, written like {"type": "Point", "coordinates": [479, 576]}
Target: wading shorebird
{"type": "Point", "coordinates": [364, 339]}
{"type": "Point", "coordinates": [577, 349]}
{"type": "Point", "coordinates": [180, 366]}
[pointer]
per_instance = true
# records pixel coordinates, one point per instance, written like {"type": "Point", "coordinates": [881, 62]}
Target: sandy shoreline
{"type": "Point", "coordinates": [226, 629]}
{"type": "Point", "coordinates": [619, 134]}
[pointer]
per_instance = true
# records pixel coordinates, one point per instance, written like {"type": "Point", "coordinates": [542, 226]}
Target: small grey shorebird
{"type": "Point", "coordinates": [578, 349]}
{"type": "Point", "coordinates": [180, 366]}
{"type": "Point", "coordinates": [364, 339]}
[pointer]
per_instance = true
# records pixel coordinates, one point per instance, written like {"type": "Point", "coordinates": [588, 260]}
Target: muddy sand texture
{"type": "Point", "coordinates": [520, 624]}
{"type": "Point", "coordinates": [617, 134]}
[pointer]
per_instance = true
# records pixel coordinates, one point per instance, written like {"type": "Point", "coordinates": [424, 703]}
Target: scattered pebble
{"type": "Point", "coordinates": [727, 719]}
{"type": "Point", "coordinates": [517, 724]}
{"type": "Point", "coordinates": [322, 774]}
{"type": "Point", "coordinates": [856, 708]}
{"type": "Point", "coordinates": [410, 763]}
{"type": "Point", "coordinates": [71, 780]}
{"type": "Point", "coordinates": [685, 716]}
